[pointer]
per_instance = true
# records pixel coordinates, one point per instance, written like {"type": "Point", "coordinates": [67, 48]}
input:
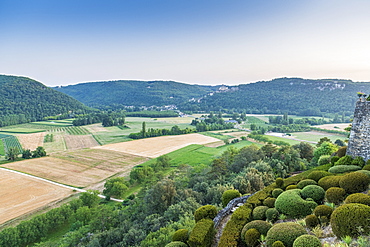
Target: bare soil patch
{"type": "Point", "coordinates": [80, 141]}
{"type": "Point", "coordinates": [157, 146]}
{"type": "Point", "coordinates": [31, 141]}
{"type": "Point", "coordinates": [21, 195]}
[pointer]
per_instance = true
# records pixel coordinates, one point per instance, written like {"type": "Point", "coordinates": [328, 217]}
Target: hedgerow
{"type": "Point", "coordinates": [317, 175]}
{"type": "Point", "coordinates": [202, 234]}
{"type": "Point", "coordinates": [344, 168]}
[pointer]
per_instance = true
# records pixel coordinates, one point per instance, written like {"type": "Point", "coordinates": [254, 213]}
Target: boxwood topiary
{"type": "Point", "coordinates": [176, 244]}
{"type": "Point", "coordinates": [354, 182]}
{"type": "Point", "coordinates": [303, 183]}
{"type": "Point", "coordinates": [311, 221]}
{"type": "Point", "coordinates": [345, 160]}
{"type": "Point", "coordinates": [278, 244]}
{"type": "Point", "coordinates": [251, 237]}
{"type": "Point", "coordinates": [307, 240]}
{"type": "Point", "coordinates": [228, 195]}
{"type": "Point", "coordinates": [344, 168]}
{"type": "Point", "coordinates": [277, 192]}
{"type": "Point", "coordinates": [292, 204]}
{"type": "Point", "coordinates": [181, 235]}
{"type": "Point", "coordinates": [285, 232]}
{"type": "Point", "coordinates": [329, 181]}
{"type": "Point", "coordinates": [323, 160]}
{"type": "Point", "coordinates": [259, 212]}
{"type": "Point", "coordinates": [323, 210]}
{"type": "Point", "coordinates": [261, 226]}
{"type": "Point", "coordinates": [279, 182]}
{"type": "Point", "coordinates": [317, 175]}
{"type": "Point", "coordinates": [367, 173]}
{"type": "Point", "coordinates": [358, 161]}
{"type": "Point", "coordinates": [202, 233]}
{"type": "Point", "coordinates": [351, 220]}
{"type": "Point", "coordinates": [313, 191]}
{"type": "Point", "coordinates": [272, 215]}
{"type": "Point", "coordinates": [205, 212]}
{"type": "Point", "coordinates": [366, 167]}
{"type": "Point", "coordinates": [335, 195]}
{"type": "Point", "coordinates": [358, 198]}
{"type": "Point", "coordinates": [291, 187]}
{"type": "Point", "coordinates": [269, 202]}
{"type": "Point", "coordinates": [334, 159]}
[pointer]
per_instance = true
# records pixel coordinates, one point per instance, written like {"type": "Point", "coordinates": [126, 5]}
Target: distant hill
{"type": "Point", "coordinates": [23, 99]}
{"type": "Point", "coordinates": [115, 94]}
{"type": "Point", "coordinates": [291, 95]}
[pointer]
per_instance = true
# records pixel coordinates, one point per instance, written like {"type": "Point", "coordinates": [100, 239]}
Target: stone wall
{"type": "Point", "coordinates": [359, 140]}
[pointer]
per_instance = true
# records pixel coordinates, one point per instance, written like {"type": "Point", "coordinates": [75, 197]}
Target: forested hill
{"type": "Point", "coordinates": [115, 94]}
{"type": "Point", "coordinates": [23, 99]}
{"type": "Point", "coordinates": [290, 95]}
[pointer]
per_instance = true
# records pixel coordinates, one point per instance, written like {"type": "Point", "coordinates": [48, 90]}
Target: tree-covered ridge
{"type": "Point", "coordinates": [117, 94]}
{"type": "Point", "coordinates": [292, 95]}
{"type": "Point", "coordinates": [23, 100]}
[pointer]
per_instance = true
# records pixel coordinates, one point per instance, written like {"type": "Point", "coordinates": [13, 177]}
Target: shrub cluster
{"type": "Point", "coordinates": [307, 240]}
{"type": "Point", "coordinates": [176, 244]}
{"type": "Point", "coordinates": [323, 210]}
{"type": "Point", "coordinates": [279, 182]}
{"type": "Point", "coordinates": [259, 212]}
{"type": "Point", "coordinates": [260, 225]}
{"type": "Point", "coordinates": [344, 168]}
{"type": "Point", "coordinates": [278, 244]}
{"type": "Point", "coordinates": [354, 182]}
{"type": "Point", "coordinates": [285, 232]}
{"type": "Point", "coordinates": [358, 161]}
{"type": "Point", "coordinates": [272, 215]}
{"type": "Point", "coordinates": [366, 172]}
{"type": "Point", "coordinates": [291, 187]}
{"type": "Point", "coordinates": [366, 167]}
{"type": "Point", "coordinates": [303, 183]}
{"type": "Point", "coordinates": [228, 195]}
{"type": "Point", "coordinates": [277, 192]}
{"type": "Point", "coordinates": [292, 204]}
{"type": "Point", "coordinates": [323, 160]}
{"type": "Point", "coordinates": [251, 237]}
{"type": "Point", "coordinates": [269, 202]}
{"type": "Point", "coordinates": [335, 195]}
{"type": "Point", "coordinates": [317, 175]}
{"type": "Point", "coordinates": [329, 181]}
{"type": "Point", "coordinates": [345, 160]}
{"type": "Point", "coordinates": [313, 191]}
{"type": "Point", "coordinates": [205, 212]}
{"type": "Point", "coordinates": [202, 233]}
{"type": "Point", "coordinates": [334, 159]}
{"type": "Point", "coordinates": [311, 220]}
{"type": "Point", "coordinates": [181, 235]}
{"type": "Point", "coordinates": [358, 198]}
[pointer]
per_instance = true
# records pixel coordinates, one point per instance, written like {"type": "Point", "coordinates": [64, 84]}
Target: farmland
{"type": "Point", "coordinates": [22, 194]}
{"type": "Point", "coordinates": [9, 141]}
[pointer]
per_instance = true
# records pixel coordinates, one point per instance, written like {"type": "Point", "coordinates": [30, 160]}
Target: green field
{"type": "Point", "coordinates": [259, 121]}
{"type": "Point", "coordinates": [315, 136]}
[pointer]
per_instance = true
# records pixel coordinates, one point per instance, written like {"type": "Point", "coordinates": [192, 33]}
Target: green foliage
{"type": "Point", "coordinates": [291, 187]}
{"type": "Point", "coordinates": [205, 212]}
{"type": "Point", "coordinates": [307, 241]}
{"type": "Point", "coordinates": [326, 148]}
{"type": "Point", "coordinates": [354, 182]}
{"type": "Point", "coordinates": [251, 237]}
{"type": "Point", "coordinates": [285, 232]}
{"type": "Point", "coordinates": [358, 161]}
{"type": "Point", "coordinates": [351, 220]}
{"type": "Point", "coordinates": [323, 210]}
{"type": "Point", "coordinates": [176, 244]}
{"type": "Point", "coordinates": [334, 159]}
{"type": "Point", "coordinates": [278, 244]}
{"type": "Point", "coordinates": [181, 235]}
{"type": "Point", "coordinates": [115, 187]}
{"type": "Point", "coordinates": [303, 183]}
{"type": "Point", "coordinates": [26, 154]}
{"type": "Point", "coordinates": [272, 215]}
{"type": "Point", "coordinates": [292, 204]}
{"type": "Point", "coordinates": [329, 181]}
{"type": "Point", "coordinates": [259, 213]}
{"type": "Point", "coordinates": [228, 195]}
{"type": "Point", "coordinates": [366, 167]}
{"type": "Point", "coordinates": [345, 160]}
{"type": "Point", "coordinates": [49, 138]}
{"type": "Point", "coordinates": [202, 234]}
{"type": "Point", "coordinates": [358, 198]}
{"type": "Point", "coordinates": [323, 160]}
{"type": "Point", "coordinates": [312, 221]}
{"type": "Point", "coordinates": [313, 191]}
{"type": "Point", "coordinates": [277, 192]}
{"type": "Point", "coordinates": [317, 175]}
{"type": "Point", "coordinates": [39, 152]}
{"type": "Point", "coordinates": [12, 153]}
{"type": "Point", "coordinates": [90, 198]}
{"type": "Point", "coordinates": [269, 202]}
{"type": "Point", "coordinates": [305, 150]}
{"type": "Point", "coordinates": [367, 173]}
{"type": "Point", "coordinates": [260, 225]}
{"type": "Point", "coordinates": [279, 182]}
{"type": "Point", "coordinates": [335, 195]}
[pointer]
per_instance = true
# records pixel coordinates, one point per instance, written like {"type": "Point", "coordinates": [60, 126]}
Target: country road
{"type": "Point", "coordinates": [55, 183]}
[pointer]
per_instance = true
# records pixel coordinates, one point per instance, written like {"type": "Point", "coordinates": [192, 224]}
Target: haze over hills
{"type": "Point", "coordinates": [291, 95]}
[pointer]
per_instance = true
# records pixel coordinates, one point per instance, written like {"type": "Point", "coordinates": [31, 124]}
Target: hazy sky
{"type": "Point", "coordinates": [60, 42]}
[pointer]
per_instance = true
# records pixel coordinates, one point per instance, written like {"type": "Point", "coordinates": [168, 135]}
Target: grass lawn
{"type": "Point", "coordinates": [2, 151]}
{"type": "Point", "coordinates": [276, 138]}
{"type": "Point", "coordinates": [315, 136]}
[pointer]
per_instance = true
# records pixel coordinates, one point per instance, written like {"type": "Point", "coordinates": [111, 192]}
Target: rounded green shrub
{"type": "Point", "coordinates": [358, 198]}
{"type": "Point", "coordinates": [345, 160]}
{"type": "Point", "coordinates": [303, 183]}
{"type": "Point", "coordinates": [279, 182]}
{"type": "Point", "coordinates": [313, 191]}
{"type": "Point", "coordinates": [251, 237]}
{"type": "Point", "coordinates": [261, 226]}
{"type": "Point", "coordinates": [181, 235]}
{"type": "Point", "coordinates": [329, 181]}
{"type": "Point", "coordinates": [311, 221]}
{"type": "Point", "coordinates": [358, 161]}
{"type": "Point", "coordinates": [323, 160]}
{"type": "Point", "coordinates": [366, 167]}
{"type": "Point", "coordinates": [307, 240]}
{"type": "Point", "coordinates": [344, 168]}
{"type": "Point", "coordinates": [351, 220]}
{"type": "Point", "coordinates": [291, 187]}
{"type": "Point", "coordinates": [259, 212]}
{"type": "Point", "coordinates": [367, 173]}
{"type": "Point", "coordinates": [317, 175]}
{"type": "Point", "coordinates": [342, 151]}
{"type": "Point", "coordinates": [272, 215]}
{"type": "Point", "coordinates": [292, 204]}
{"type": "Point", "coordinates": [205, 212]}
{"type": "Point", "coordinates": [277, 192]}
{"type": "Point", "coordinates": [285, 232]}
{"type": "Point", "coordinates": [334, 159]}
{"type": "Point", "coordinates": [323, 210]}
{"type": "Point", "coordinates": [335, 195]}
{"type": "Point", "coordinates": [269, 202]}
{"type": "Point", "coordinates": [354, 182]}
{"type": "Point", "coordinates": [176, 244]}
{"type": "Point", "coordinates": [278, 244]}
{"type": "Point", "coordinates": [228, 195]}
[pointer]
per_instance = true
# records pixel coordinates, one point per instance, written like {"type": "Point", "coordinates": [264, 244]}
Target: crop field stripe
{"type": "Point", "coordinates": [2, 151]}
{"type": "Point", "coordinates": [11, 141]}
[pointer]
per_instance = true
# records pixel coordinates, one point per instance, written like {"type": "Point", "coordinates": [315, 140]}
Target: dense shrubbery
{"type": "Point", "coordinates": [335, 195]}
{"type": "Point", "coordinates": [260, 225]}
{"type": "Point", "coordinates": [269, 202]}
{"type": "Point", "coordinates": [303, 183]}
{"type": "Point", "coordinates": [307, 241]}
{"type": "Point", "coordinates": [312, 220]}
{"type": "Point", "coordinates": [259, 212]}
{"type": "Point", "coordinates": [176, 244]}
{"type": "Point", "coordinates": [354, 182]}
{"type": "Point", "coordinates": [343, 168]}
{"type": "Point", "coordinates": [358, 198]}
{"type": "Point", "coordinates": [345, 160]}
{"type": "Point", "coordinates": [329, 181]}
{"type": "Point", "coordinates": [205, 212]}
{"type": "Point", "coordinates": [228, 195]}
{"type": "Point", "coordinates": [323, 210]}
{"type": "Point", "coordinates": [272, 215]}
{"type": "Point", "coordinates": [317, 175]}
{"type": "Point", "coordinates": [277, 192]}
{"type": "Point", "coordinates": [285, 232]}
{"type": "Point", "coordinates": [292, 204]}
{"type": "Point", "coordinates": [202, 234]}
{"type": "Point", "coordinates": [313, 191]}
{"type": "Point", "coordinates": [181, 235]}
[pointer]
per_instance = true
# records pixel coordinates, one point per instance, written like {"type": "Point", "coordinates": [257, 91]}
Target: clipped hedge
{"type": "Point", "coordinates": [228, 195]}
{"type": "Point", "coordinates": [306, 182]}
{"type": "Point", "coordinates": [205, 212]}
{"type": "Point", "coordinates": [344, 168]}
{"type": "Point", "coordinates": [351, 220]}
{"type": "Point", "coordinates": [260, 225]}
{"type": "Point", "coordinates": [323, 210]}
{"type": "Point", "coordinates": [307, 240]}
{"type": "Point", "coordinates": [367, 173]}
{"type": "Point", "coordinates": [176, 244]}
{"type": "Point", "coordinates": [335, 195]}
{"type": "Point", "coordinates": [313, 191]}
{"type": "Point", "coordinates": [269, 202]}
{"type": "Point", "coordinates": [259, 213]}
{"type": "Point", "coordinates": [231, 233]}
{"type": "Point", "coordinates": [272, 215]}
{"type": "Point", "coordinates": [354, 182]}
{"type": "Point", "coordinates": [329, 181]}
{"type": "Point", "coordinates": [366, 167]}
{"type": "Point", "coordinates": [317, 175]}
{"type": "Point", "coordinates": [181, 235]}
{"type": "Point", "coordinates": [358, 198]}
{"type": "Point", "coordinates": [311, 221]}
{"type": "Point", "coordinates": [278, 244]}
{"type": "Point", "coordinates": [202, 234]}
{"type": "Point", "coordinates": [291, 187]}
{"type": "Point", "coordinates": [251, 237]}
{"type": "Point", "coordinates": [345, 160]}
{"type": "Point", "coordinates": [292, 204]}
{"type": "Point", "coordinates": [276, 192]}
{"type": "Point", "coordinates": [285, 232]}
